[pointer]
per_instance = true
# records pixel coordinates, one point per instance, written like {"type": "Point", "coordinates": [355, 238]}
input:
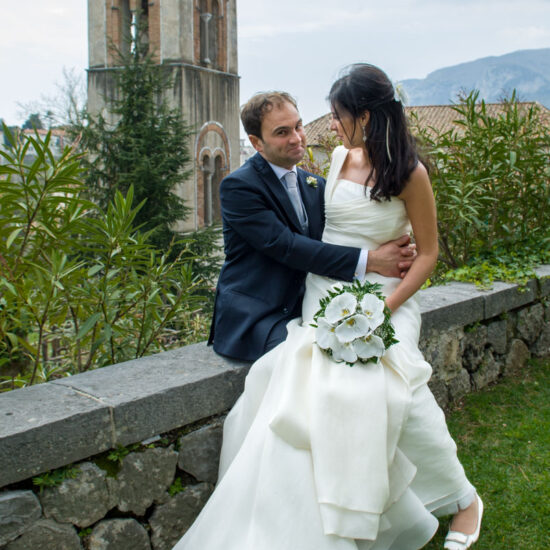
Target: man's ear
{"type": "Point", "coordinates": [257, 143]}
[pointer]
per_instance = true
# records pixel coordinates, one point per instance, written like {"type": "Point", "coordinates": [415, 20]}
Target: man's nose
{"type": "Point", "coordinates": [295, 135]}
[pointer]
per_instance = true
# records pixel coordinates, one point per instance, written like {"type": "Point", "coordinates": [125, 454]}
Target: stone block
{"type": "Point", "coordinates": [119, 534]}
{"type": "Point", "coordinates": [199, 452]}
{"type": "Point", "coordinates": [18, 511]}
{"type": "Point", "coordinates": [450, 305]}
{"type": "Point", "coordinates": [459, 386]}
{"type": "Point", "coordinates": [46, 534]}
{"type": "Point", "coordinates": [541, 348]}
{"type": "Point", "coordinates": [529, 323]}
{"type": "Point", "coordinates": [511, 322]}
{"type": "Point", "coordinates": [504, 297]}
{"type": "Point", "coordinates": [488, 371]}
{"type": "Point", "coordinates": [543, 274]}
{"type": "Point", "coordinates": [164, 391]}
{"type": "Point", "coordinates": [143, 478]}
{"type": "Point", "coordinates": [442, 351]}
{"type": "Point", "coordinates": [496, 336]}
{"type": "Point", "coordinates": [47, 426]}
{"type": "Point", "coordinates": [82, 500]}
{"type": "Point", "coordinates": [170, 521]}
{"type": "Point", "coordinates": [473, 347]}
{"type": "Point", "coordinates": [517, 357]}
{"type": "Point", "coordinates": [440, 392]}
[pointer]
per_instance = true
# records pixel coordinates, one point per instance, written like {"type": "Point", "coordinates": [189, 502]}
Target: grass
{"type": "Point", "coordinates": [503, 438]}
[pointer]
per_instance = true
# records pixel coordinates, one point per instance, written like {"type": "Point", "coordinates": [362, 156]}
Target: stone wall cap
{"type": "Point", "coordinates": [47, 426]}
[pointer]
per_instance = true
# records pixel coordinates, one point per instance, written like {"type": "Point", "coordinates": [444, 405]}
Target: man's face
{"type": "Point", "coordinates": [283, 140]}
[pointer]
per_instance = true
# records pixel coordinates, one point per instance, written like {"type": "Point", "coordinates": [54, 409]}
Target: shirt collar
{"type": "Point", "coordinates": [281, 172]}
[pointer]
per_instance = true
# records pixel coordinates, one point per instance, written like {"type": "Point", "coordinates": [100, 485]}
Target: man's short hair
{"type": "Point", "coordinates": [255, 109]}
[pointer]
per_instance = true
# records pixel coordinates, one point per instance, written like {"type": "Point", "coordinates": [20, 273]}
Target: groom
{"type": "Point", "coordinates": [273, 219]}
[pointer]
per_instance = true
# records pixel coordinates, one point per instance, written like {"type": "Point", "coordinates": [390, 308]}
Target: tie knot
{"type": "Point", "coordinates": [290, 178]}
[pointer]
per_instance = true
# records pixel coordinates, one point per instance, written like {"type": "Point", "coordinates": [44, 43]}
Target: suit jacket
{"type": "Point", "coordinates": [267, 256]}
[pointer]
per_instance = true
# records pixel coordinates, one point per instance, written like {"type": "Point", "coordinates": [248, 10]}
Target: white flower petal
{"type": "Point", "coordinates": [371, 346]}
{"type": "Point", "coordinates": [373, 308]}
{"type": "Point", "coordinates": [344, 352]}
{"type": "Point", "coordinates": [324, 334]}
{"type": "Point", "coordinates": [353, 327]}
{"type": "Point", "coordinates": [341, 306]}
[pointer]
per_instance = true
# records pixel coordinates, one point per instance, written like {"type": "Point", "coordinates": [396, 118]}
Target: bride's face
{"type": "Point", "coordinates": [347, 128]}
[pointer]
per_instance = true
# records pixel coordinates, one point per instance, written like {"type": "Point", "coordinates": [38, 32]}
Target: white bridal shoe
{"type": "Point", "coordinates": [459, 541]}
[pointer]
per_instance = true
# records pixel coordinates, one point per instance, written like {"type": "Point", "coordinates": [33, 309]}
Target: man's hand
{"type": "Point", "coordinates": [392, 259]}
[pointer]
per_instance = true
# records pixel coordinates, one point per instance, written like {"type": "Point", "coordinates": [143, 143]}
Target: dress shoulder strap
{"type": "Point", "coordinates": [338, 157]}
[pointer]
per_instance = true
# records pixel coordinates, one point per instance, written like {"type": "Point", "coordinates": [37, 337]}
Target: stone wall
{"type": "Point", "coordinates": [135, 446]}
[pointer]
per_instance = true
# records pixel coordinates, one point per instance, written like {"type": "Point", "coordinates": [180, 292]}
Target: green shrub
{"type": "Point", "coordinates": [490, 176]}
{"type": "Point", "coordinates": [80, 287]}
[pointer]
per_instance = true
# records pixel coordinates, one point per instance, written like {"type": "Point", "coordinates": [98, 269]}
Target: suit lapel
{"type": "Point", "coordinates": [276, 188]}
{"type": "Point", "coordinates": [312, 203]}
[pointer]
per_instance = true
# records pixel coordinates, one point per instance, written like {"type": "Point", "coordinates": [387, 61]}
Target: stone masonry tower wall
{"type": "Point", "coordinates": [196, 41]}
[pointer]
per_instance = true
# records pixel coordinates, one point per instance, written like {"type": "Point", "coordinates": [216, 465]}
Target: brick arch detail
{"type": "Point", "coordinates": [200, 152]}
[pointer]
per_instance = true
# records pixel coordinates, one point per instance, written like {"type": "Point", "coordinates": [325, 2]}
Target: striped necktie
{"type": "Point", "coordinates": [294, 194]}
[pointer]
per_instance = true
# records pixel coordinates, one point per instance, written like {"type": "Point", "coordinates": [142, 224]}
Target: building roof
{"type": "Point", "coordinates": [43, 132]}
{"type": "Point", "coordinates": [440, 117]}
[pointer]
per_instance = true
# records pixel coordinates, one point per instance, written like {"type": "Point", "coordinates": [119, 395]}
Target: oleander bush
{"type": "Point", "coordinates": [490, 174]}
{"type": "Point", "coordinates": [81, 287]}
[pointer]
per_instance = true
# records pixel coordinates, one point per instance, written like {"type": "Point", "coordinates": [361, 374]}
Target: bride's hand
{"type": "Point", "coordinates": [392, 259]}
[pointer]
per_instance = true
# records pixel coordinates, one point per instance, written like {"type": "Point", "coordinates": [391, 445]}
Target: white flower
{"type": "Point", "coordinates": [373, 308]}
{"type": "Point", "coordinates": [343, 351]}
{"type": "Point", "coordinates": [340, 306]}
{"type": "Point", "coordinates": [353, 327]}
{"type": "Point", "coordinates": [370, 346]}
{"type": "Point", "coordinates": [312, 181]}
{"type": "Point", "coordinates": [324, 334]}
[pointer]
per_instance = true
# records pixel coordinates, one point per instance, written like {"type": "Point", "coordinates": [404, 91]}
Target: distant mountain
{"type": "Point", "coordinates": [528, 71]}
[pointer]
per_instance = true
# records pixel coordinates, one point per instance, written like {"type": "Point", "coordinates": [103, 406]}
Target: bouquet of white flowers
{"type": "Point", "coordinates": [353, 324]}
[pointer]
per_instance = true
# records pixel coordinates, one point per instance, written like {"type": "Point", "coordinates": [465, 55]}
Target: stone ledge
{"type": "Point", "coordinates": [46, 426]}
{"type": "Point", "coordinates": [543, 273]}
{"type": "Point", "coordinates": [450, 305]}
{"type": "Point", "coordinates": [50, 425]}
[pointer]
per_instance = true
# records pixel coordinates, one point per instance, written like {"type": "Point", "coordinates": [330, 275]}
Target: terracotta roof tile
{"type": "Point", "coordinates": [439, 117]}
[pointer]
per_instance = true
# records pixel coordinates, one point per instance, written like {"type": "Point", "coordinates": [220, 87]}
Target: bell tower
{"type": "Point", "coordinates": [196, 40]}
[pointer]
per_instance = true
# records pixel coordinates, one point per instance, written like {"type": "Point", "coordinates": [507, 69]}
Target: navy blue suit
{"type": "Point", "coordinates": [267, 256]}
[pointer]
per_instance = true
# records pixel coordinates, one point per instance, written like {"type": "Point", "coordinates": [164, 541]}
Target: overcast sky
{"type": "Point", "coordinates": [298, 46]}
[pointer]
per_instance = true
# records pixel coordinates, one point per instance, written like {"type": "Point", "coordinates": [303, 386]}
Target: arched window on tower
{"type": "Point", "coordinates": [216, 180]}
{"type": "Point", "coordinates": [126, 20]}
{"type": "Point", "coordinates": [207, 174]}
{"type": "Point", "coordinates": [205, 17]}
{"type": "Point", "coordinates": [214, 35]}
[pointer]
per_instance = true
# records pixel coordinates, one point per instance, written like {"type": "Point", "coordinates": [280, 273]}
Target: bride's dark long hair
{"type": "Point", "coordinates": [389, 144]}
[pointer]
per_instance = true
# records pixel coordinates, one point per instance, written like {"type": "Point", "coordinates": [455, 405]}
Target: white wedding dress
{"type": "Point", "coordinates": [318, 455]}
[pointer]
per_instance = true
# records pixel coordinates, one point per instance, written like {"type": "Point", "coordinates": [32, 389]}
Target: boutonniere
{"type": "Point", "coordinates": [312, 181]}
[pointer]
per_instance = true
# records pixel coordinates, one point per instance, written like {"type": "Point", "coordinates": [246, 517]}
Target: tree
{"type": "Point", "coordinates": [33, 122]}
{"type": "Point", "coordinates": [145, 148]}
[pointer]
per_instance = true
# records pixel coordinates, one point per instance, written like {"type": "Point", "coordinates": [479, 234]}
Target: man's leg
{"type": "Point", "coordinates": [277, 334]}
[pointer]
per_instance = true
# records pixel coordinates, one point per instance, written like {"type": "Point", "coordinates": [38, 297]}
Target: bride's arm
{"type": "Point", "coordinates": [420, 203]}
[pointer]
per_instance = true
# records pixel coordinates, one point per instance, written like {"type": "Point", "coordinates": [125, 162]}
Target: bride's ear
{"type": "Point", "coordinates": [365, 117]}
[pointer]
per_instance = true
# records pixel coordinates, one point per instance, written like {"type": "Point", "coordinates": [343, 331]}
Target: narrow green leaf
{"type": "Point", "coordinates": [88, 325]}
{"type": "Point", "coordinates": [13, 236]}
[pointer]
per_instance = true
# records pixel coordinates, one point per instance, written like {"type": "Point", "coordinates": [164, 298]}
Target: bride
{"type": "Point", "coordinates": [320, 456]}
